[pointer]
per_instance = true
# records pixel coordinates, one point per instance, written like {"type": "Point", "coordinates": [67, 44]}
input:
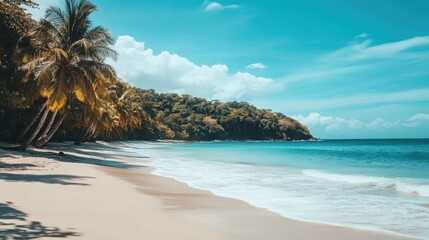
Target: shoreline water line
{"type": "Point", "coordinates": [367, 228]}
{"type": "Point", "coordinates": [180, 161]}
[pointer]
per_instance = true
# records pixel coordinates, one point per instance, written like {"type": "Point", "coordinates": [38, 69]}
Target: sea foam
{"type": "Point", "coordinates": [389, 184]}
{"type": "Point", "coordinates": [381, 193]}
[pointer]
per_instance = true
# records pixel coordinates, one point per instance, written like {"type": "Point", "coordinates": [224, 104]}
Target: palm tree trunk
{"type": "Point", "coordinates": [86, 133]}
{"type": "Point", "coordinates": [91, 135]}
{"type": "Point", "coordinates": [27, 128]}
{"type": "Point", "coordinates": [82, 137]}
{"type": "Point", "coordinates": [51, 121]}
{"type": "Point", "coordinates": [27, 142]}
{"type": "Point", "coordinates": [42, 142]}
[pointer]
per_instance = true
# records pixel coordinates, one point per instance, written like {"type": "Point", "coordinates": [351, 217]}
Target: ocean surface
{"type": "Point", "coordinates": [371, 184]}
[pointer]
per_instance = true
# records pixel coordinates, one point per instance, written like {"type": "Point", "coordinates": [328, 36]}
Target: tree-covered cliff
{"type": "Point", "coordinates": [172, 116]}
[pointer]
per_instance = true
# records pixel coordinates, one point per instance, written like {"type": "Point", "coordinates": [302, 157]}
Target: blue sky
{"type": "Point", "coordinates": [347, 69]}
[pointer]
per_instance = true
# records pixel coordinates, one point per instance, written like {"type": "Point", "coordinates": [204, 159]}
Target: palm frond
{"type": "Point", "coordinates": [50, 35]}
{"type": "Point", "coordinates": [56, 16]}
{"type": "Point", "coordinates": [58, 90]}
{"type": "Point", "coordinates": [100, 35]}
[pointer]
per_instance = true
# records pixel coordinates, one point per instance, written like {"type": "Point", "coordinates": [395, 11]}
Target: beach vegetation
{"type": "Point", "coordinates": [55, 84]}
{"type": "Point", "coordinates": [183, 117]}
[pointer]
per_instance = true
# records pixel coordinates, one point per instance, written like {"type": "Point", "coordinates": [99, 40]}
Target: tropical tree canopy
{"type": "Point", "coordinates": [14, 23]}
{"type": "Point", "coordinates": [65, 55]}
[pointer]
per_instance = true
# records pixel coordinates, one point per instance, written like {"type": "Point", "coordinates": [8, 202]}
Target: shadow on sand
{"type": "Point", "coordinates": [96, 161]}
{"type": "Point", "coordinates": [102, 159]}
{"type": "Point", "coordinates": [15, 166]}
{"type": "Point", "coordinates": [14, 225]}
{"type": "Point", "coordinates": [91, 157]}
{"type": "Point", "coordinates": [50, 178]}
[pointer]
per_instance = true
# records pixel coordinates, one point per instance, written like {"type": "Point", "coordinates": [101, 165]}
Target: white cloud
{"type": "Point", "coordinates": [216, 6]}
{"type": "Point", "coordinates": [362, 35]}
{"type": "Point", "coordinates": [419, 117]}
{"type": "Point", "coordinates": [256, 66]}
{"type": "Point", "coordinates": [359, 56]}
{"type": "Point", "coordinates": [331, 123]}
{"type": "Point", "coordinates": [363, 50]}
{"type": "Point", "coordinates": [38, 13]}
{"type": "Point", "coordinates": [412, 124]}
{"type": "Point", "coordinates": [381, 123]}
{"type": "Point", "coordinates": [416, 120]}
{"type": "Point", "coordinates": [168, 72]}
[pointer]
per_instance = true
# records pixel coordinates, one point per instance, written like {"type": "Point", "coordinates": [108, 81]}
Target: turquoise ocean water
{"type": "Point", "coordinates": [371, 184]}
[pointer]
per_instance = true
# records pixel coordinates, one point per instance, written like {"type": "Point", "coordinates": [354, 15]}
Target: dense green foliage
{"type": "Point", "coordinates": [14, 23]}
{"type": "Point", "coordinates": [54, 83]}
{"type": "Point", "coordinates": [170, 116]}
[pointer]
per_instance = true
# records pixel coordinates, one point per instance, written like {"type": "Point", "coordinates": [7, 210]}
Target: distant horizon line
{"type": "Point", "coordinates": [396, 138]}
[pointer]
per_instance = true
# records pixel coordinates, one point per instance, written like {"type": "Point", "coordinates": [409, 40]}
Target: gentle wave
{"type": "Point", "coordinates": [387, 184]}
{"type": "Point", "coordinates": [303, 186]}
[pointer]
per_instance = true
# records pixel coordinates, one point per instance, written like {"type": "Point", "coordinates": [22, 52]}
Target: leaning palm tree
{"type": "Point", "coordinates": [107, 120]}
{"type": "Point", "coordinates": [118, 113]}
{"type": "Point", "coordinates": [128, 106]}
{"type": "Point", "coordinates": [65, 55]}
{"type": "Point", "coordinates": [99, 122]}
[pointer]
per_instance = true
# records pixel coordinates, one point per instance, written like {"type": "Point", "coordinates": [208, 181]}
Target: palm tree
{"type": "Point", "coordinates": [33, 121]}
{"type": "Point", "coordinates": [100, 122]}
{"type": "Point", "coordinates": [67, 58]}
{"type": "Point", "coordinates": [128, 106]}
{"type": "Point", "coordinates": [107, 120]}
{"type": "Point", "coordinates": [117, 114]}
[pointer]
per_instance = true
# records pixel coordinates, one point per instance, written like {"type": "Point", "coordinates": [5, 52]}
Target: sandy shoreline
{"type": "Point", "coordinates": [96, 193]}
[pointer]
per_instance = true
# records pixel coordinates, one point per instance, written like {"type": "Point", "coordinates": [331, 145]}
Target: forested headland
{"type": "Point", "coordinates": [55, 85]}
